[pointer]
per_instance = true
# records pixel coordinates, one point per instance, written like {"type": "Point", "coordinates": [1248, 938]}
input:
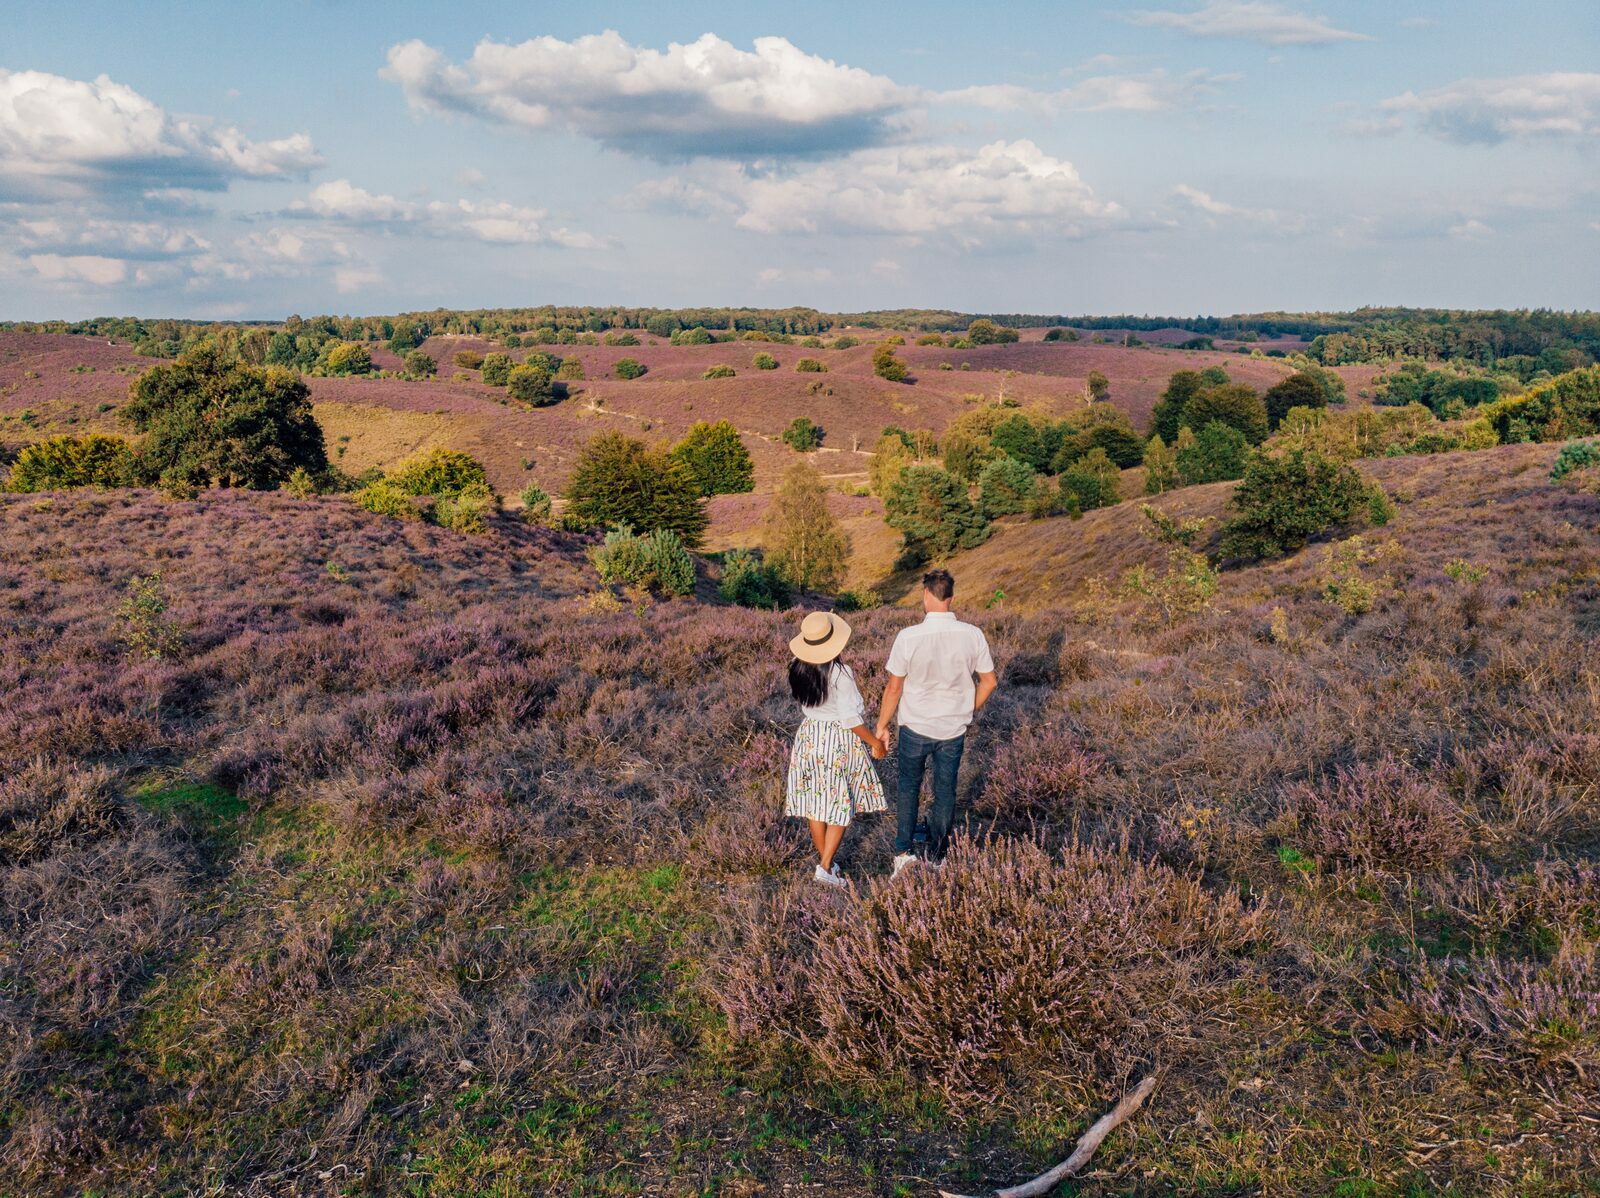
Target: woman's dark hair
{"type": "Point", "coordinates": [808, 683]}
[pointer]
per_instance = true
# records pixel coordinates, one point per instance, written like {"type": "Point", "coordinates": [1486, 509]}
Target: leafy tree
{"type": "Point", "coordinates": [1167, 417]}
{"type": "Point", "coordinates": [621, 480]}
{"type": "Point", "coordinates": [1061, 335]}
{"type": "Point", "coordinates": [531, 385]}
{"type": "Point", "coordinates": [1005, 485]}
{"type": "Point", "coordinates": [765, 361]}
{"type": "Point", "coordinates": [890, 456]}
{"type": "Point", "coordinates": [810, 366]}
{"type": "Point", "coordinates": [628, 368]}
{"type": "Point", "coordinates": [986, 332]}
{"type": "Point", "coordinates": [1018, 437]}
{"type": "Point", "coordinates": [406, 336]}
{"type": "Point", "coordinates": [1160, 467]}
{"type": "Point", "coordinates": [350, 357]}
{"type": "Point", "coordinates": [802, 436]}
{"type": "Point", "coordinates": [749, 581]}
{"type": "Point", "coordinates": [718, 459]}
{"type": "Point", "coordinates": [1093, 481]}
{"type": "Point", "coordinates": [886, 366]}
{"type": "Point", "coordinates": [420, 365]}
{"type": "Point", "coordinates": [497, 369]}
{"type": "Point", "coordinates": [1235, 405]}
{"type": "Point", "coordinates": [1281, 503]}
{"type": "Point", "coordinates": [805, 544]}
{"type": "Point", "coordinates": [210, 420]}
{"type": "Point", "coordinates": [1217, 452]}
{"type": "Point", "coordinates": [1099, 386]}
{"type": "Point", "coordinates": [64, 463]}
{"type": "Point", "coordinates": [570, 370]}
{"type": "Point", "coordinates": [930, 509]}
{"type": "Point", "coordinates": [662, 324]}
{"type": "Point", "coordinates": [1296, 391]}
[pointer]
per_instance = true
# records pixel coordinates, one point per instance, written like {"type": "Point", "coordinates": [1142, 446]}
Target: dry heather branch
{"type": "Point", "coordinates": [1048, 1180]}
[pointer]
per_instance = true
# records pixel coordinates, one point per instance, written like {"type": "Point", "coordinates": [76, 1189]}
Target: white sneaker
{"type": "Point", "coordinates": [829, 877]}
{"type": "Point", "coordinates": [901, 861]}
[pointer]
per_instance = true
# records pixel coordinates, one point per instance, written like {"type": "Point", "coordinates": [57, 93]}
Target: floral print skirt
{"type": "Point", "coordinates": [831, 777]}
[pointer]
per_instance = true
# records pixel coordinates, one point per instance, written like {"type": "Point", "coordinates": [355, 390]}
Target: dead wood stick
{"type": "Point", "coordinates": [1047, 1181]}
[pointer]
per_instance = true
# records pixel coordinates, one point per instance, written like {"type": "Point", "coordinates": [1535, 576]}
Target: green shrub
{"type": "Point", "coordinates": [468, 359]}
{"type": "Point", "coordinates": [496, 369]}
{"type": "Point", "coordinates": [657, 561]}
{"type": "Point", "coordinates": [531, 385]}
{"type": "Point", "coordinates": [1234, 404]}
{"type": "Point", "coordinates": [300, 484]}
{"type": "Point", "coordinates": [420, 365]}
{"type": "Point", "coordinates": [628, 368]}
{"type": "Point", "coordinates": [886, 366]}
{"type": "Point", "coordinates": [146, 629]}
{"type": "Point", "coordinates": [1099, 386]}
{"type": "Point", "coordinates": [1092, 481]}
{"type": "Point", "coordinates": [1574, 455]}
{"type": "Point", "coordinates": [467, 510]}
{"type": "Point", "coordinates": [623, 338]}
{"type": "Point", "coordinates": [536, 506]}
{"type": "Point", "coordinates": [810, 366]}
{"type": "Point", "coordinates": [694, 336]}
{"type": "Point", "coordinates": [716, 456]}
{"type": "Point", "coordinates": [719, 371]}
{"type": "Point", "coordinates": [748, 581]}
{"type": "Point", "coordinates": [1004, 486]}
{"type": "Point", "coordinates": [764, 361]}
{"type": "Point", "coordinates": [63, 463]}
{"type": "Point", "coordinates": [986, 332]}
{"type": "Point", "coordinates": [386, 499]}
{"type": "Point", "coordinates": [349, 357]}
{"type": "Point", "coordinates": [845, 342]}
{"type": "Point", "coordinates": [570, 370]}
{"type": "Point", "coordinates": [1284, 502]}
{"type": "Point", "coordinates": [1160, 467]}
{"type": "Point", "coordinates": [1297, 391]}
{"type": "Point", "coordinates": [930, 509]}
{"type": "Point", "coordinates": [442, 473]}
{"type": "Point", "coordinates": [802, 436]}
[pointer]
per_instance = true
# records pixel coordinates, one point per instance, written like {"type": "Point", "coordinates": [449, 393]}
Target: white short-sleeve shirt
{"type": "Point", "coordinates": [938, 658]}
{"type": "Point", "coordinates": [843, 706]}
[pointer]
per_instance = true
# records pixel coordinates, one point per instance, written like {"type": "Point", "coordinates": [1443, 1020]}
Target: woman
{"type": "Point", "coordinates": [830, 779]}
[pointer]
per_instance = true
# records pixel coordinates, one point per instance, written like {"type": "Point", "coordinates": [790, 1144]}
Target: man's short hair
{"type": "Point", "coordinates": [939, 584]}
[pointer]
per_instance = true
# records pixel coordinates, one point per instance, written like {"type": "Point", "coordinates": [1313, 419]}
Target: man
{"type": "Point", "coordinates": [931, 670]}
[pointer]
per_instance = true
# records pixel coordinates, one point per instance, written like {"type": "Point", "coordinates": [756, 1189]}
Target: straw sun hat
{"type": "Point", "coordinates": [823, 637]}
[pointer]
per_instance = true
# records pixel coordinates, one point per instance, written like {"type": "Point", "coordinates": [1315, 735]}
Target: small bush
{"type": "Point", "coordinates": [886, 366]}
{"type": "Point", "coordinates": [1574, 455]}
{"type": "Point", "coordinates": [64, 463]}
{"type": "Point", "coordinates": [1382, 815]}
{"type": "Point", "coordinates": [810, 366]}
{"type": "Point", "coordinates": [497, 369]}
{"type": "Point", "coordinates": [385, 499]}
{"type": "Point", "coordinates": [846, 342]}
{"type": "Point", "coordinates": [420, 365]}
{"type": "Point", "coordinates": [802, 436]}
{"type": "Point", "coordinates": [623, 338]}
{"type": "Point", "coordinates": [570, 371]}
{"type": "Point", "coordinates": [531, 385]}
{"type": "Point", "coordinates": [467, 359]}
{"type": "Point", "coordinates": [536, 506]}
{"type": "Point", "coordinates": [300, 484]}
{"type": "Point", "coordinates": [350, 357]}
{"type": "Point", "coordinates": [720, 371]}
{"type": "Point", "coordinates": [440, 472]}
{"type": "Point", "coordinates": [628, 368]}
{"type": "Point", "coordinates": [467, 510]}
{"type": "Point", "coordinates": [748, 581]}
{"type": "Point", "coordinates": [657, 561]}
{"type": "Point", "coordinates": [146, 630]}
{"type": "Point", "coordinates": [1284, 502]}
{"type": "Point", "coordinates": [764, 361]}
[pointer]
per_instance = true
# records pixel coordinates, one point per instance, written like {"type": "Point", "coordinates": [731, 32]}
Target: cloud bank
{"type": "Point", "coordinates": [1250, 20]}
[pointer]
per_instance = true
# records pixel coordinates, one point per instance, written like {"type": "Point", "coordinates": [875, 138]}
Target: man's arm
{"type": "Point", "coordinates": [891, 703]}
{"type": "Point", "coordinates": [986, 684]}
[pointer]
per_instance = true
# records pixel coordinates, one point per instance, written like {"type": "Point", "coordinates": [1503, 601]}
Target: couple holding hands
{"type": "Point", "coordinates": [940, 674]}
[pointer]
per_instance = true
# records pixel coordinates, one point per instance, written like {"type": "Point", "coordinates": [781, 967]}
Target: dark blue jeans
{"type": "Point", "coordinates": [913, 753]}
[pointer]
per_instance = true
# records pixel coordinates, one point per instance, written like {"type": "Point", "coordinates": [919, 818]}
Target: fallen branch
{"type": "Point", "coordinates": [1046, 1182]}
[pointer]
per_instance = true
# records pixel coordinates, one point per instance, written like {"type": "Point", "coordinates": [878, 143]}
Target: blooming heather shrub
{"type": "Point", "coordinates": [1011, 974]}
{"type": "Point", "coordinates": [1382, 815]}
{"type": "Point", "coordinates": [766, 984]}
{"type": "Point", "coordinates": [1541, 1018]}
{"type": "Point", "coordinates": [47, 806]}
{"type": "Point", "coordinates": [1041, 774]}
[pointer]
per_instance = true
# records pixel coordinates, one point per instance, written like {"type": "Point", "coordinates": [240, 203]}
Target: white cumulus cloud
{"type": "Point", "coordinates": [494, 221]}
{"type": "Point", "coordinates": [1558, 104]}
{"type": "Point", "coordinates": [706, 98]}
{"type": "Point", "coordinates": [1153, 91]}
{"type": "Point", "coordinates": [94, 269]}
{"type": "Point", "coordinates": [1252, 20]}
{"type": "Point", "coordinates": [75, 138]}
{"type": "Point", "coordinates": [923, 191]}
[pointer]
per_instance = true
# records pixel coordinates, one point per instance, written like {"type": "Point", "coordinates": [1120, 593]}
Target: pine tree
{"type": "Point", "coordinates": [716, 456]}
{"type": "Point", "coordinates": [620, 480]}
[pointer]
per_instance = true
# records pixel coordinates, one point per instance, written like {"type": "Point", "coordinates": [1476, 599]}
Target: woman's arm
{"type": "Point", "coordinates": [879, 751]}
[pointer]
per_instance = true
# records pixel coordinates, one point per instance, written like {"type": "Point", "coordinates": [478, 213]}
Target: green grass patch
{"type": "Point", "coordinates": [202, 806]}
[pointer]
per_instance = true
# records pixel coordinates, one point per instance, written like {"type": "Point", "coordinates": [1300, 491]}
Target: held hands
{"type": "Point", "coordinates": [880, 748]}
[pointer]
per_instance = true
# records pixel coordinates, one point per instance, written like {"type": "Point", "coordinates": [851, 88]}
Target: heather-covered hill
{"type": "Point", "coordinates": [356, 856]}
{"type": "Point", "coordinates": [1490, 506]}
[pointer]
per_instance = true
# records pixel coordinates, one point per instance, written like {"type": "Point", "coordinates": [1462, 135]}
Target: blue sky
{"type": "Point", "coordinates": [1174, 156]}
